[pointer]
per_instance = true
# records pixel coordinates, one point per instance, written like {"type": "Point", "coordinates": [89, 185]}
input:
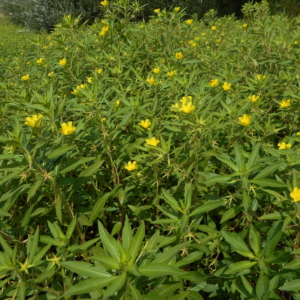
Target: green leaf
{"type": "Point", "coordinates": [85, 269]}
{"type": "Point", "coordinates": [135, 293]}
{"type": "Point", "coordinates": [194, 296]}
{"type": "Point", "coordinates": [109, 243]}
{"type": "Point", "coordinates": [136, 242]}
{"type": "Point", "coordinates": [115, 286]}
{"type": "Point", "coordinates": [253, 156]}
{"type": "Point", "coordinates": [229, 163]}
{"type": "Point", "coordinates": [59, 151]}
{"type": "Point", "coordinates": [34, 188]}
{"type": "Point", "coordinates": [158, 270]}
{"type": "Point", "coordinates": [171, 200]}
{"type": "Point", "coordinates": [87, 173]}
{"type": "Point", "coordinates": [168, 254]}
{"type": "Point", "coordinates": [254, 239]}
{"type": "Point", "coordinates": [74, 163]}
{"type": "Point", "coordinates": [238, 267]}
{"type": "Point", "coordinates": [45, 275]}
{"type": "Point", "coordinates": [292, 286]}
{"type": "Point", "coordinates": [217, 179]}
{"type": "Point", "coordinates": [189, 259]}
{"type": "Point", "coordinates": [268, 182]}
{"type": "Point", "coordinates": [107, 261]}
{"type": "Point", "coordinates": [262, 286]}
{"type": "Point", "coordinates": [27, 216]}
{"type": "Point", "coordinates": [207, 207]}
{"type": "Point", "coordinates": [32, 245]}
{"type": "Point", "coordinates": [239, 157]}
{"type": "Point", "coordinates": [293, 265]}
{"type": "Point", "coordinates": [269, 170]}
{"type": "Point", "coordinates": [38, 258]}
{"type": "Point", "coordinates": [4, 213]}
{"type": "Point", "coordinates": [97, 208]}
{"type": "Point", "coordinates": [273, 237]}
{"type": "Point", "coordinates": [126, 234]}
{"type": "Point", "coordinates": [230, 213]}
{"type": "Point", "coordinates": [7, 249]}
{"type": "Point", "coordinates": [49, 240]}
{"type": "Point", "coordinates": [89, 285]}
{"type": "Point", "coordinates": [71, 228]}
{"type": "Point", "coordinates": [274, 216]}
{"type": "Point", "coordinates": [235, 241]}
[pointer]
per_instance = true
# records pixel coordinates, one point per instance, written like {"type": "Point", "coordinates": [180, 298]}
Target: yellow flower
{"type": "Point", "coordinates": [171, 73]}
{"type": "Point", "coordinates": [245, 25]}
{"type": "Point", "coordinates": [157, 10]}
{"type": "Point", "coordinates": [178, 55]}
{"type": "Point", "coordinates": [245, 120]}
{"type": "Point", "coordinates": [226, 86]}
{"type": "Point", "coordinates": [260, 77]}
{"type": "Point", "coordinates": [103, 119]}
{"type": "Point", "coordinates": [156, 70]}
{"type": "Point", "coordinates": [25, 77]}
{"type": "Point", "coordinates": [283, 146]}
{"type": "Point", "coordinates": [295, 194]}
{"type": "Point", "coordinates": [177, 8]}
{"type": "Point", "coordinates": [118, 103]}
{"type": "Point", "coordinates": [131, 166]}
{"type": "Point", "coordinates": [145, 123]}
{"type": "Point", "coordinates": [104, 3]}
{"type": "Point", "coordinates": [214, 28]}
{"type": "Point", "coordinates": [192, 43]}
{"type": "Point", "coordinates": [34, 121]}
{"type": "Point", "coordinates": [296, 42]}
{"type": "Point", "coordinates": [153, 142]}
{"type": "Point", "coordinates": [175, 106]}
{"type": "Point", "coordinates": [184, 99]}
{"type": "Point", "coordinates": [298, 133]}
{"type": "Point", "coordinates": [189, 21]}
{"type": "Point", "coordinates": [285, 103]}
{"type": "Point", "coordinates": [104, 30]}
{"type": "Point", "coordinates": [74, 92]}
{"type": "Point", "coordinates": [90, 79]}
{"type": "Point", "coordinates": [50, 74]}
{"type": "Point", "coordinates": [62, 62]}
{"type": "Point", "coordinates": [81, 87]}
{"type": "Point", "coordinates": [214, 82]}
{"type": "Point", "coordinates": [253, 98]}
{"type": "Point", "coordinates": [67, 128]}
{"type": "Point", "coordinates": [40, 61]}
{"type": "Point", "coordinates": [187, 108]}
{"type": "Point", "coordinates": [151, 81]}
{"type": "Point", "coordinates": [99, 71]}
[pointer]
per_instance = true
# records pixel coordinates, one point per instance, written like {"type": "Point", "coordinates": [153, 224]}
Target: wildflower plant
{"type": "Point", "coordinates": [136, 166]}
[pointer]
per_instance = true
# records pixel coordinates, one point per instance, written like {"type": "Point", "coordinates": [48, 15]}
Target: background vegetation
{"type": "Point", "coordinates": [141, 164]}
{"type": "Point", "coordinates": [44, 14]}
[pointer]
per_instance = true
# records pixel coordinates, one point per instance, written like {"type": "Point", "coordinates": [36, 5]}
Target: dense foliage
{"type": "Point", "coordinates": [153, 160]}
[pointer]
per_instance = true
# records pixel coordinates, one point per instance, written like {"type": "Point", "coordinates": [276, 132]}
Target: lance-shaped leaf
{"type": "Point", "coordinates": [293, 286]}
{"type": "Point", "coordinates": [136, 243]}
{"type": "Point", "coordinates": [158, 270]}
{"type": "Point", "coordinates": [109, 243]}
{"type": "Point", "coordinates": [89, 285]}
{"type": "Point", "coordinates": [85, 269]}
{"type": "Point", "coordinates": [207, 207]}
{"type": "Point", "coordinates": [239, 267]}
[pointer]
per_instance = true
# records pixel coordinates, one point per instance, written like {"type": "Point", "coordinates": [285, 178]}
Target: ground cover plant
{"type": "Point", "coordinates": [153, 160]}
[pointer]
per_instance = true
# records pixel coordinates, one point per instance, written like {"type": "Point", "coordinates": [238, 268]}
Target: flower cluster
{"type": "Point", "coordinates": [186, 105]}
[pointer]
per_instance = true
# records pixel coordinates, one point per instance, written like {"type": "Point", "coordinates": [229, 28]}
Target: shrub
{"type": "Point", "coordinates": [152, 160]}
